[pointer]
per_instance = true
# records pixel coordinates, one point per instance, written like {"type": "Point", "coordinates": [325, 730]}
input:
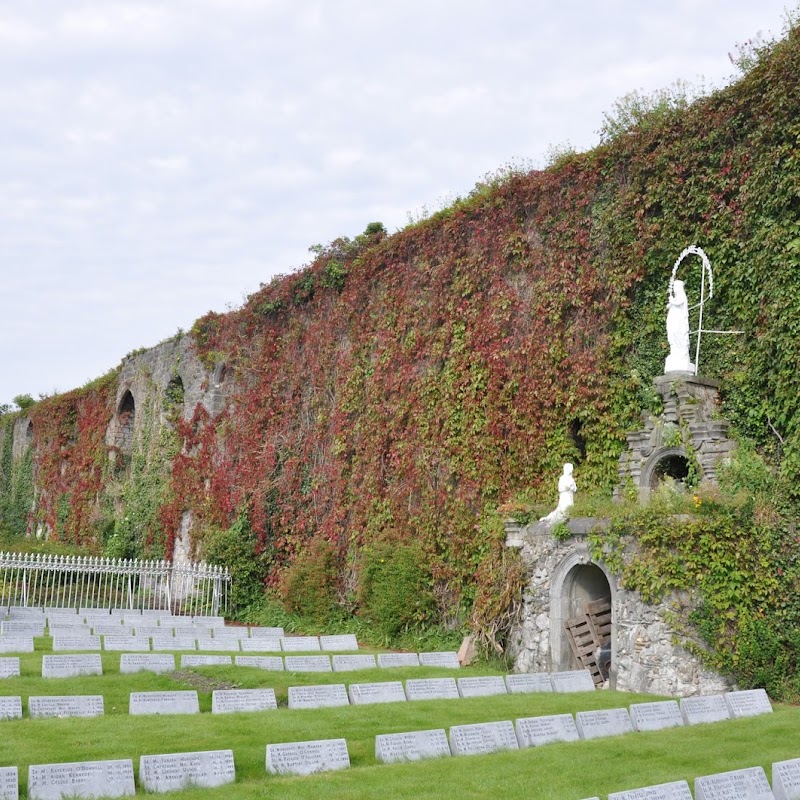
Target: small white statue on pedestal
{"type": "Point", "coordinates": [678, 359]}
{"type": "Point", "coordinates": [566, 497]}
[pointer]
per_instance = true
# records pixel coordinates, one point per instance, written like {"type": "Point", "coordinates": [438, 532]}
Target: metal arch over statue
{"type": "Point", "coordinates": [679, 359]}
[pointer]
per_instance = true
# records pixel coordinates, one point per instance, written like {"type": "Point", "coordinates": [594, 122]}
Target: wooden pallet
{"type": "Point", "coordinates": [586, 632]}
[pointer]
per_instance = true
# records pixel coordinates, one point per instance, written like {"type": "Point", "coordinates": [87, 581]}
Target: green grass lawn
{"type": "Point", "coordinates": [570, 771]}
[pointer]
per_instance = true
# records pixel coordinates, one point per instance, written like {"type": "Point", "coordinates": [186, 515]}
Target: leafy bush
{"type": "Point", "coordinates": [309, 586]}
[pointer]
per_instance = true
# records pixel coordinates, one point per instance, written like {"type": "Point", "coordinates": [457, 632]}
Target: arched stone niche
{"type": "Point", "coordinates": [575, 581]}
{"type": "Point", "coordinates": [126, 421]}
{"type": "Point", "coordinates": [666, 462]}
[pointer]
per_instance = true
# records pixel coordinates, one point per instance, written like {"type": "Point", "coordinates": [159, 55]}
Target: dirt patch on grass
{"type": "Point", "coordinates": [203, 683]}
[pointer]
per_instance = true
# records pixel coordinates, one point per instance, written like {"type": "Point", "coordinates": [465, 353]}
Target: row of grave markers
{"type": "Point", "coordinates": [749, 783]}
{"type": "Point", "coordinates": [651, 716]}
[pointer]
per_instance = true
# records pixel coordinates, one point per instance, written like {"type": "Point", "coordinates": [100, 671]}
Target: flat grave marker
{"type": "Point", "coordinates": [272, 663]}
{"type": "Point", "coordinates": [323, 696]}
{"type": "Point", "coordinates": [270, 633]}
{"type": "Point", "coordinates": [484, 737]}
{"type": "Point", "coordinates": [362, 694]}
{"type": "Point", "coordinates": [389, 660]}
{"type": "Point", "coordinates": [206, 661]}
{"type": "Point", "coordinates": [483, 686]}
{"type": "Point", "coordinates": [16, 644]}
{"type": "Point", "coordinates": [71, 666]}
{"type": "Point", "coordinates": [10, 707]}
{"type": "Point", "coordinates": [177, 702]}
{"type": "Point", "coordinates": [22, 628]}
{"type": "Point", "coordinates": [675, 790]}
{"type": "Point", "coordinates": [109, 629]}
{"type": "Point", "coordinates": [173, 771]}
{"type": "Point", "coordinates": [300, 644]}
{"type": "Point", "coordinates": [431, 689]}
{"type": "Point", "coordinates": [261, 644]}
{"type": "Point", "coordinates": [306, 758]}
{"type": "Point", "coordinates": [350, 663]}
{"type": "Point", "coordinates": [25, 612]}
{"type": "Point", "coordinates": [656, 716]}
{"type": "Point", "coordinates": [174, 643]}
{"type": "Point", "coordinates": [209, 620]}
{"type": "Point", "coordinates": [81, 705]}
{"type": "Point", "coordinates": [9, 783]}
{"type": "Point", "coordinates": [743, 784]}
{"type": "Point", "coordinates": [126, 643]}
{"type": "Point", "coordinates": [786, 779]}
{"type": "Point", "coordinates": [234, 632]}
{"type": "Point", "coordinates": [9, 667]}
{"type": "Point", "coordinates": [227, 644]}
{"type": "Point", "coordinates": [709, 708]}
{"type": "Point", "coordinates": [346, 641]}
{"type": "Point", "coordinates": [308, 663]}
{"type": "Point", "coordinates": [529, 682]}
{"type": "Point", "coordinates": [414, 746]}
{"type": "Point", "coordinates": [536, 731]}
{"type": "Point", "coordinates": [73, 642]}
{"type": "Point", "coordinates": [748, 703]}
{"type": "Point", "coordinates": [603, 722]}
{"type": "Point", "coordinates": [130, 663]}
{"type": "Point", "coordinates": [574, 680]}
{"type": "Point", "coordinates": [447, 659]}
{"type": "Point", "coordinates": [229, 701]}
{"type": "Point", "coordinates": [81, 779]}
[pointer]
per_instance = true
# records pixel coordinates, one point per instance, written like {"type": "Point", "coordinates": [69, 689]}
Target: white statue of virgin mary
{"type": "Point", "coordinates": [678, 359]}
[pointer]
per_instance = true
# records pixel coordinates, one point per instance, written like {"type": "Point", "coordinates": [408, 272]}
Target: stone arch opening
{"type": "Point", "coordinates": [126, 418]}
{"type": "Point", "coordinates": [578, 585]}
{"type": "Point", "coordinates": [174, 398]}
{"type": "Point", "coordinates": [669, 462]}
{"type": "Point", "coordinates": [29, 433]}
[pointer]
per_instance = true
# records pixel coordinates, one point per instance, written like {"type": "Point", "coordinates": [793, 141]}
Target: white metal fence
{"type": "Point", "coordinates": [41, 581]}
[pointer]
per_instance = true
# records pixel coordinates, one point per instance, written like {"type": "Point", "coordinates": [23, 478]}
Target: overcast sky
{"type": "Point", "coordinates": [161, 159]}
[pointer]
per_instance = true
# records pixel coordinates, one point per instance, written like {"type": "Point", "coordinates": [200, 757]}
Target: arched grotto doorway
{"type": "Point", "coordinates": [668, 463]}
{"type": "Point", "coordinates": [581, 624]}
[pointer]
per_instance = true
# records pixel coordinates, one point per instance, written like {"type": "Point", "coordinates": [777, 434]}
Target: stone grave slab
{"type": "Point", "coordinates": [270, 633]}
{"type": "Point", "coordinates": [206, 661]}
{"type": "Point", "coordinates": [178, 702]}
{"type": "Point", "coordinates": [82, 705]}
{"type": "Point", "coordinates": [146, 631]}
{"type": "Point", "coordinates": [189, 631]}
{"type": "Point", "coordinates": [112, 630]}
{"type": "Point", "coordinates": [229, 701]}
{"type": "Point", "coordinates": [9, 783]}
{"type": "Point", "coordinates": [675, 790]}
{"type": "Point", "coordinates": [447, 659]}
{"type": "Point", "coordinates": [261, 644]}
{"type": "Point", "coordinates": [308, 663]}
{"type": "Point", "coordinates": [655, 716]}
{"type": "Point", "coordinates": [346, 641]}
{"type": "Point", "coordinates": [485, 737]}
{"type": "Point", "coordinates": [10, 707]}
{"type": "Point", "coordinates": [743, 784]}
{"type": "Point", "coordinates": [272, 663]}
{"type": "Point", "coordinates": [484, 686]}
{"type": "Point", "coordinates": [575, 680]}
{"type": "Point", "coordinates": [137, 644]}
{"type": "Point", "coordinates": [82, 779]}
{"type": "Point", "coordinates": [389, 660]}
{"type": "Point", "coordinates": [75, 629]}
{"type": "Point", "coordinates": [62, 642]}
{"type": "Point", "coordinates": [71, 666]}
{"type": "Point", "coordinates": [413, 746]}
{"type": "Point", "coordinates": [306, 758]}
{"type": "Point", "coordinates": [146, 662]}
{"type": "Point", "coordinates": [173, 771]}
{"type": "Point", "coordinates": [323, 696]}
{"type": "Point", "coordinates": [22, 628]}
{"type": "Point", "coordinates": [55, 620]}
{"type": "Point", "coordinates": [603, 722]}
{"type": "Point", "coordinates": [174, 643]}
{"type": "Point", "coordinates": [16, 644]}
{"type": "Point", "coordinates": [60, 610]}
{"type": "Point", "coordinates": [9, 667]}
{"type": "Point", "coordinates": [785, 779]}
{"type": "Point", "coordinates": [710, 708]}
{"type": "Point", "coordinates": [529, 682]}
{"type": "Point", "coordinates": [384, 692]}
{"type": "Point", "coordinates": [535, 731]}
{"type": "Point", "coordinates": [300, 644]}
{"type": "Point", "coordinates": [230, 632]}
{"type": "Point", "coordinates": [211, 621]}
{"type": "Point", "coordinates": [25, 612]}
{"type": "Point", "coordinates": [431, 689]}
{"type": "Point", "coordinates": [350, 663]}
{"type": "Point", "coordinates": [748, 703]}
{"type": "Point", "coordinates": [227, 644]}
